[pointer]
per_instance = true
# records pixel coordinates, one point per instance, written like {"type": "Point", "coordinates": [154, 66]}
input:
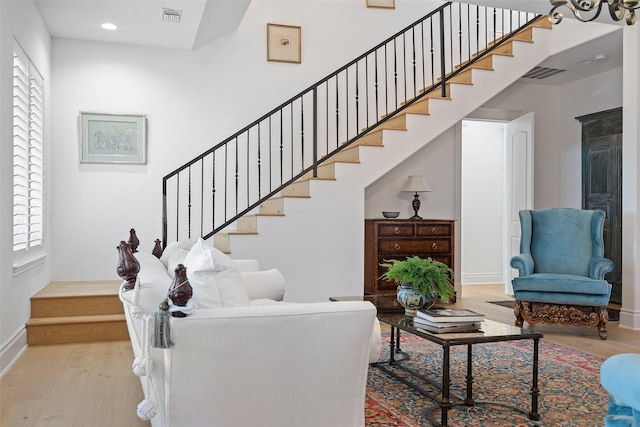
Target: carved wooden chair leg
{"type": "Point", "coordinates": [517, 311]}
{"type": "Point", "coordinates": [602, 324]}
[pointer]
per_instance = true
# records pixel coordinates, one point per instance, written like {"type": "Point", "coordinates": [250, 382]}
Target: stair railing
{"type": "Point", "coordinates": [215, 189]}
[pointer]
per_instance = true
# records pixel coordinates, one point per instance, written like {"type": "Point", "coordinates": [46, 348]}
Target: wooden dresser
{"type": "Point", "coordinates": [386, 239]}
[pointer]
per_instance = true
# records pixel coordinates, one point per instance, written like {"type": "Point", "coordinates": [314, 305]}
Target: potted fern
{"type": "Point", "coordinates": [421, 281]}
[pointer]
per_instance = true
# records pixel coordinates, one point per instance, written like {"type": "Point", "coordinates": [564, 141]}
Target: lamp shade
{"type": "Point", "coordinates": [416, 184]}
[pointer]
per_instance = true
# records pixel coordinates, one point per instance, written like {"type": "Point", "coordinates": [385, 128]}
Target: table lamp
{"type": "Point", "coordinates": [416, 184]}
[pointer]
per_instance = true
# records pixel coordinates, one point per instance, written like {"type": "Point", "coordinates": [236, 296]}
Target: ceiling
{"type": "Point", "coordinates": [140, 22]}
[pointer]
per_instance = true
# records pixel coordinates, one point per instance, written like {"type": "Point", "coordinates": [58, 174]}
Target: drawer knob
{"type": "Point", "coordinates": [434, 245]}
{"type": "Point", "coordinates": [397, 230]}
{"type": "Point", "coordinates": [434, 230]}
{"type": "Point", "coordinates": [397, 246]}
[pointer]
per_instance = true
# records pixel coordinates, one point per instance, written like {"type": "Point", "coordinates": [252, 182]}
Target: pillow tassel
{"type": "Point", "coordinates": [161, 327]}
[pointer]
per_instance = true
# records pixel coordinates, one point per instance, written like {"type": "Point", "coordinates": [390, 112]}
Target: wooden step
{"type": "Point", "coordinates": [419, 107]}
{"type": "Point", "coordinates": [273, 206]}
{"type": "Point", "coordinates": [76, 329]}
{"type": "Point", "coordinates": [542, 22]}
{"type": "Point", "coordinates": [398, 122]}
{"type": "Point", "coordinates": [248, 223]}
{"type": "Point", "coordinates": [348, 155]}
{"type": "Point", "coordinates": [297, 189]}
{"type": "Point", "coordinates": [327, 171]}
{"type": "Point", "coordinates": [371, 139]}
{"type": "Point", "coordinates": [77, 299]}
{"type": "Point", "coordinates": [77, 312]}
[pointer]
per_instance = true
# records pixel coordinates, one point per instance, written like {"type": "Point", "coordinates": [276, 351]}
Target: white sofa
{"type": "Point", "coordinates": [248, 363]}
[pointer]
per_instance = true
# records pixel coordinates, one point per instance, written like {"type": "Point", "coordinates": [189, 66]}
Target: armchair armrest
{"type": "Point", "coordinates": [524, 263]}
{"type": "Point", "coordinates": [599, 266]}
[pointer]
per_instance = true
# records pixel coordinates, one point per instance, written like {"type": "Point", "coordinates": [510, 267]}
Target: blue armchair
{"type": "Point", "coordinates": [620, 376]}
{"type": "Point", "coordinates": [561, 269]}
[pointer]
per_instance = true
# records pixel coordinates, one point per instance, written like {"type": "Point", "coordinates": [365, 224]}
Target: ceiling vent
{"type": "Point", "coordinates": [542, 73]}
{"type": "Point", "coordinates": [171, 15]}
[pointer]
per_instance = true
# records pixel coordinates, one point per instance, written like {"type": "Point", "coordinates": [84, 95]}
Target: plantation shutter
{"type": "Point", "coordinates": [28, 124]}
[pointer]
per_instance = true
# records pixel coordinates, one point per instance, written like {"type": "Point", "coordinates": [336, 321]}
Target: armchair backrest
{"type": "Point", "coordinates": [562, 240]}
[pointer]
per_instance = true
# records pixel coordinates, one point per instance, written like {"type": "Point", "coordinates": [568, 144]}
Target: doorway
{"type": "Point", "coordinates": [496, 183]}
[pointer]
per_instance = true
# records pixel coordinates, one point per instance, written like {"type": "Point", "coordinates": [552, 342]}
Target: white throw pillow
{"type": "Point", "coordinates": [171, 247]}
{"type": "Point", "coordinates": [176, 257]}
{"type": "Point", "coordinates": [269, 284]}
{"type": "Point", "coordinates": [215, 280]}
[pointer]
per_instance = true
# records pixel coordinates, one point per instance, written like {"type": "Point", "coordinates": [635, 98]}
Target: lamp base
{"type": "Point", "coordinates": [416, 207]}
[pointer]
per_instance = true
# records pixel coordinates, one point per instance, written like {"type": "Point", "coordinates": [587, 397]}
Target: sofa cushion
{"type": "Point", "coordinates": [184, 245]}
{"type": "Point", "coordinates": [269, 284]}
{"type": "Point", "coordinates": [215, 280]}
{"type": "Point", "coordinates": [176, 257]}
{"type": "Point", "coordinates": [561, 283]}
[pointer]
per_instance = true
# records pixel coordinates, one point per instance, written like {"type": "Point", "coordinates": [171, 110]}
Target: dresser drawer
{"type": "Point", "coordinates": [432, 230]}
{"type": "Point", "coordinates": [387, 239]}
{"type": "Point", "coordinates": [414, 246]}
{"type": "Point", "coordinates": [395, 230]}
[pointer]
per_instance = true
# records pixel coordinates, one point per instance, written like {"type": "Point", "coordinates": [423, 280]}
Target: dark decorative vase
{"type": "Point", "coordinates": [180, 291]}
{"type": "Point", "coordinates": [157, 249]}
{"type": "Point", "coordinates": [133, 241]}
{"type": "Point", "coordinates": [128, 266]}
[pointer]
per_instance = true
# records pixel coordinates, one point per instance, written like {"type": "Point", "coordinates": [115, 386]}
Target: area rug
{"type": "Point", "coordinates": [614, 313]}
{"type": "Point", "coordinates": [569, 382]}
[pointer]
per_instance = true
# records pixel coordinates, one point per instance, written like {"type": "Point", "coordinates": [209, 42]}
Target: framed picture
{"type": "Point", "coordinates": [113, 138]}
{"type": "Point", "coordinates": [283, 43]}
{"type": "Point", "coordinates": [386, 4]}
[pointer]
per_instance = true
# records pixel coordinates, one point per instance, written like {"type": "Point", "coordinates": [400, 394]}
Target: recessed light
{"type": "Point", "coordinates": [109, 26]}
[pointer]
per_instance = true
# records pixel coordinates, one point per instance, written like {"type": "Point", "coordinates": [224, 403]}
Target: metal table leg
{"type": "Point", "coordinates": [469, 398]}
{"type": "Point", "coordinates": [445, 403]}
{"type": "Point", "coordinates": [535, 391]}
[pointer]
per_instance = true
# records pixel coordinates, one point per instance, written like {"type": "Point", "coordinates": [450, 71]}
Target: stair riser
{"type": "Point", "coordinates": [77, 333]}
{"type": "Point", "coordinates": [75, 306]}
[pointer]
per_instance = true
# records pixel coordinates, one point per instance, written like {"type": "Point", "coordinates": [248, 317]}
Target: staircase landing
{"type": "Point", "coordinates": [76, 312]}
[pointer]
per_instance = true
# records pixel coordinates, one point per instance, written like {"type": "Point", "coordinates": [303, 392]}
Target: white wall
{"type": "Point", "coordinates": [193, 100]}
{"type": "Point", "coordinates": [437, 163]}
{"type": "Point", "coordinates": [483, 172]}
{"type": "Point", "coordinates": [19, 19]}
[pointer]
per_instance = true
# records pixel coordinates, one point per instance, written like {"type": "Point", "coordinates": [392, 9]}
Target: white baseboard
{"type": "Point", "coordinates": [629, 320]}
{"type": "Point", "coordinates": [12, 349]}
{"type": "Point", "coordinates": [481, 278]}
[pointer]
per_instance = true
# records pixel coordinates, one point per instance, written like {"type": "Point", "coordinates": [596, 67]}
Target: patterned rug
{"type": "Point", "coordinates": [614, 313]}
{"type": "Point", "coordinates": [569, 382]}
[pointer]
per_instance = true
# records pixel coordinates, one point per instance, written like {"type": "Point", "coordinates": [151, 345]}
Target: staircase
{"type": "Point", "coordinates": [76, 312]}
{"type": "Point", "coordinates": [301, 188]}
{"type": "Point", "coordinates": [319, 246]}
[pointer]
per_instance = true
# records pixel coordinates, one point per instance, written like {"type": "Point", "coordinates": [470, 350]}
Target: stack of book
{"type": "Point", "coordinates": [440, 320]}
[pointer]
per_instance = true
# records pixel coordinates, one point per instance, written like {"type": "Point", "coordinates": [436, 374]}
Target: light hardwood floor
{"type": "Point", "coordinates": [92, 384]}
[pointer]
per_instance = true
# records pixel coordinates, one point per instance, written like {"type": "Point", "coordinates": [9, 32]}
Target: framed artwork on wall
{"type": "Point", "coordinates": [385, 4]}
{"type": "Point", "coordinates": [283, 43]}
{"type": "Point", "coordinates": [113, 138]}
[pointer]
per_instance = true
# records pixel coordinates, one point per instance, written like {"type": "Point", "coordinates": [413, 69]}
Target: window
{"type": "Point", "coordinates": [28, 124]}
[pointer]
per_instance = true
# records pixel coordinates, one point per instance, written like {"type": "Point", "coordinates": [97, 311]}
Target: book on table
{"type": "Point", "coordinates": [457, 329]}
{"type": "Point", "coordinates": [421, 321]}
{"type": "Point", "coordinates": [444, 315]}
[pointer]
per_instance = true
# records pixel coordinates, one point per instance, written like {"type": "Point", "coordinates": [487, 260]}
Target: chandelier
{"type": "Point", "coordinates": [618, 9]}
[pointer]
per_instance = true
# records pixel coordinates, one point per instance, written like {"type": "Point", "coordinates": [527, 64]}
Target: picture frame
{"type": "Point", "coordinates": [113, 138]}
{"type": "Point", "coordinates": [284, 43]}
{"type": "Point", "coordinates": [384, 4]}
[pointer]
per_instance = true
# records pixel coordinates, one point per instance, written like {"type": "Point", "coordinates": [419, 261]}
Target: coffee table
{"type": "Point", "coordinates": [490, 332]}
